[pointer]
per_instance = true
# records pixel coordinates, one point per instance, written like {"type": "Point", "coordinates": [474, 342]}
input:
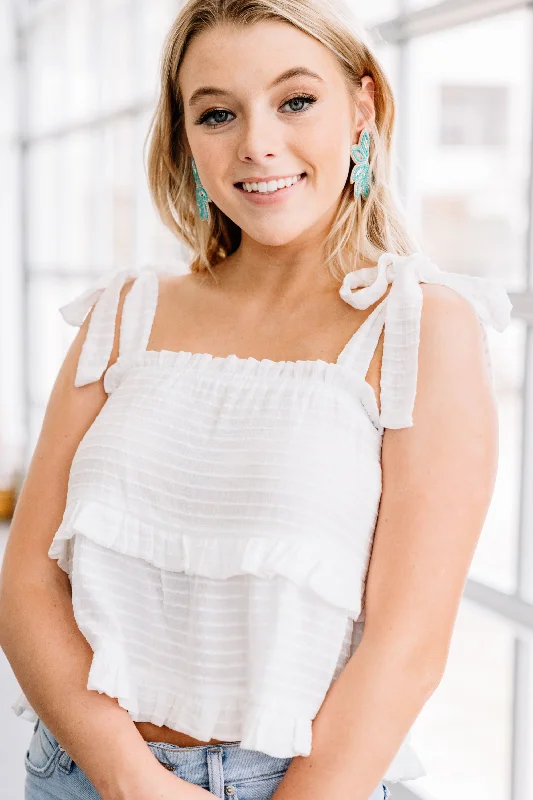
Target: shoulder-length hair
{"type": "Point", "coordinates": [363, 228]}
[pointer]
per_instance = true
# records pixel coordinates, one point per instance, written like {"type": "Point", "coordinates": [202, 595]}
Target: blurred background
{"type": "Point", "coordinates": [78, 84]}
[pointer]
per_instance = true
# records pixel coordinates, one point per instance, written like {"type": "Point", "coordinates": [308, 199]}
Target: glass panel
{"type": "Point", "coordinates": [388, 56]}
{"type": "Point", "coordinates": [155, 20]}
{"type": "Point", "coordinates": [495, 560]}
{"type": "Point", "coordinates": [43, 162]}
{"type": "Point", "coordinates": [7, 29]}
{"type": "Point", "coordinates": [49, 335]}
{"type": "Point", "coordinates": [371, 11]}
{"type": "Point", "coordinates": [47, 76]}
{"type": "Point", "coordinates": [463, 734]}
{"type": "Point", "coordinates": [413, 5]}
{"type": "Point", "coordinates": [77, 201]}
{"type": "Point", "coordinates": [528, 745]}
{"type": "Point", "coordinates": [118, 65]}
{"type": "Point", "coordinates": [82, 71]}
{"type": "Point", "coordinates": [119, 143]}
{"type": "Point", "coordinates": [468, 162]}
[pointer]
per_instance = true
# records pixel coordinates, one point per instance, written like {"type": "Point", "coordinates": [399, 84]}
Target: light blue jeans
{"type": "Point", "coordinates": [227, 770]}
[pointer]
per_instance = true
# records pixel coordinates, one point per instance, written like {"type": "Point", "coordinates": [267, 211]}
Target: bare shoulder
{"type": "Point", "coordinates": [453, 374]}
{"type": "Point", "coordinates": [451, 334]}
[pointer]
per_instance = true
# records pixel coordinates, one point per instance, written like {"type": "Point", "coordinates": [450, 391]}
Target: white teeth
{"type": "Point", "coordinates": [271, 186]}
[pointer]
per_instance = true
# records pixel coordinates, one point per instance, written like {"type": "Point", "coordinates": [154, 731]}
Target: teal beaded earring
{"type": "Point", "coordinates": [202, 199]}
{"type": "Point", "coordinates": [362, 172]}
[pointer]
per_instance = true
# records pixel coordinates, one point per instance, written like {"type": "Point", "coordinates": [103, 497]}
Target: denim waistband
{"type": "Point", "coordinates": [194, 764]}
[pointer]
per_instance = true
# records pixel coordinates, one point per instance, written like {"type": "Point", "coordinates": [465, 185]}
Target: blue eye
{"type": "Point", "coordinates": [219, 116]}
{"type": "Point", "coordinates": [301, 98]}
{"type": "Point", "coordinates": [212, 114]}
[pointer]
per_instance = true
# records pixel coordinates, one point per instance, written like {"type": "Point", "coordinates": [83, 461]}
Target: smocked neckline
{"type": "Point", "coordinates": [233, 366]}
{"type": "Point", "coordinates": [204, 356]}
{"type": "Point", "coordinates": [317, 367]}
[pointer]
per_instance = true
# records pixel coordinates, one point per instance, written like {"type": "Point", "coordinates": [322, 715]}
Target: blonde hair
{"type": "Point", "coordinates": [362, 229]}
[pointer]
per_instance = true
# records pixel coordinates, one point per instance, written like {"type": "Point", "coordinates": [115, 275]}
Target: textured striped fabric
{"type": "Point", "coordinates": [221, 510]}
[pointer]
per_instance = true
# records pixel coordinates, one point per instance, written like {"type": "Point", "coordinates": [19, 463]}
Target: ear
{"type": "Point", "coordinates": [366, 110]}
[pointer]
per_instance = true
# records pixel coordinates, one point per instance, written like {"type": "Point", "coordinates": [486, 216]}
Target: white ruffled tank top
{"type": "Point", "coordinates": [221, 510]}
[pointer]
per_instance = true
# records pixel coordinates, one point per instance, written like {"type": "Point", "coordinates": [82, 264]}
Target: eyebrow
{"type": "Point", "coordinates": [293, 72]}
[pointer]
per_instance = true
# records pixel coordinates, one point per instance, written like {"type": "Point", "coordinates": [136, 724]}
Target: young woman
{"type": "Point", "coordinates": [238, 555]}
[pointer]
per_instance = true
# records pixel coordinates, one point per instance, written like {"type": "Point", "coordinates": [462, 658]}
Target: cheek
{"type": "Point", "coordinates": [334, 167]}
{"type": "Point", "coordinates": [331, 152]}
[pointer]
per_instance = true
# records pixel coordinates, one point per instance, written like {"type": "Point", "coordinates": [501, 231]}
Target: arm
{"type": "Point", "coordinates": [438, 478]}
{"type": "Point", "coordinates": [38, 633]}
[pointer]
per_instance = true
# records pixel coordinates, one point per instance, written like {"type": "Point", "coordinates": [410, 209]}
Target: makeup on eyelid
{"type": "Point", "coordinates": [309, 99]}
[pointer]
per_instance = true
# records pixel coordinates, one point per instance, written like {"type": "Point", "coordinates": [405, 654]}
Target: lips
{"type": "Point", "coordinates": [241, 184]}
{"type": "Point", "coordinates": [275, 198]}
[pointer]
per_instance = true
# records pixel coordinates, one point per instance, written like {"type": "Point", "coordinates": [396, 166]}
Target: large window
{"type": "Point", "coordinates": [90, 80]}
{"type": "Point", "coordinates": [80, 81]}
{"type": "Point", "coordinates": [465, 154]}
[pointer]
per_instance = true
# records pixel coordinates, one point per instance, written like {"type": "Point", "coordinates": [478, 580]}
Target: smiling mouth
{"type": "Point", "coordinates": [269, 187]}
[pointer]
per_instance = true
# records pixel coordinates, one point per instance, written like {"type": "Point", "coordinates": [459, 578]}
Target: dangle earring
{"type": "Point", "coordinates": [202, 199]}
{"type": "Point", "coordinates": [362, 172]}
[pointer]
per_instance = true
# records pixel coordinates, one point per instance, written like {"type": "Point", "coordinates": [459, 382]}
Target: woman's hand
{"type": "Point", "coordinates": [158, 784]}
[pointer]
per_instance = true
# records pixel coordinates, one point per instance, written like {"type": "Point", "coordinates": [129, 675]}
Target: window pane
{"type": "Point", "coordinates": [466, 182]}
{"type": "Point", "coordinates": [49, 335]}
{"type": "Point", "coordinates": [82, 74]}
{"type": "Point", "coordinates": [463, 733]}
{"type": "Point", "coordinates": [77, 203]}
{"type": "Point", "coordinates": [468, 162]}
{"type": "Point", "coordinates": [375, 10]}
{"type": "Point", "coordinates": [413, 5]}
{"type": "Point", "coordinates": [43, 168]}
{"type": "Point", "coordinates": [119, 153]}
{"type": "Point", "coordinates": [154, 22]}
{"type": "Point", "coordinates": [528, 745]}
{"type": "Point", "coordinates": [47, 76]}
{"type": "Point", "coordinates": [117, 63]}
{"type": "Point", "coordinates": [495, 560]}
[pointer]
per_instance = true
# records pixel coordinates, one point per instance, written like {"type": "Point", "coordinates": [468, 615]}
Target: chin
{"type": "Point", "coordinates": [274, 236]}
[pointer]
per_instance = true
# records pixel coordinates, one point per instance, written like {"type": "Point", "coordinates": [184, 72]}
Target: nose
{"type": "Point", "coordinates": [260, 139]}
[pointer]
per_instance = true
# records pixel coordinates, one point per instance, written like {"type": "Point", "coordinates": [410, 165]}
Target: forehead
{"type": "Point", "coordinates": [249, 57]}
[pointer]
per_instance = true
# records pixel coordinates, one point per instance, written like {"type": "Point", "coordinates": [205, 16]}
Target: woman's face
{"type": "Point", "coordinates": [269, 103]}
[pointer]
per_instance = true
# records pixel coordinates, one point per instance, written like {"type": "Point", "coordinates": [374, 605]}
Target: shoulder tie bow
{"type": "Point", "coordinates": [403, 309]}
{"type": "Point", "coordinates": [104, 295]}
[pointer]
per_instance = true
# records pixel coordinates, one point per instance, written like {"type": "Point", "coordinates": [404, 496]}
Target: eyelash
{"type": "Point", "coordinates": [309, 98]}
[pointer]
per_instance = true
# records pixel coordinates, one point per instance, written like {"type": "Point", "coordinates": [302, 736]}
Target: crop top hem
{"type": "Point", "coordinates": [271, 730]}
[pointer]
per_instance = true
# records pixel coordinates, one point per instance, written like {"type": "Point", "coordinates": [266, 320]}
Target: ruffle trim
{"type": "Point", "coordinates": [233, 367]}
{"type": "Point", "coordinates": [406, 764]}
{"type": "Point", "coordinates": [273, 731]}
{"type": "Point", "coordinates": [328, 570]}
{"type": "Point", "coordinates": [23, 709]}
